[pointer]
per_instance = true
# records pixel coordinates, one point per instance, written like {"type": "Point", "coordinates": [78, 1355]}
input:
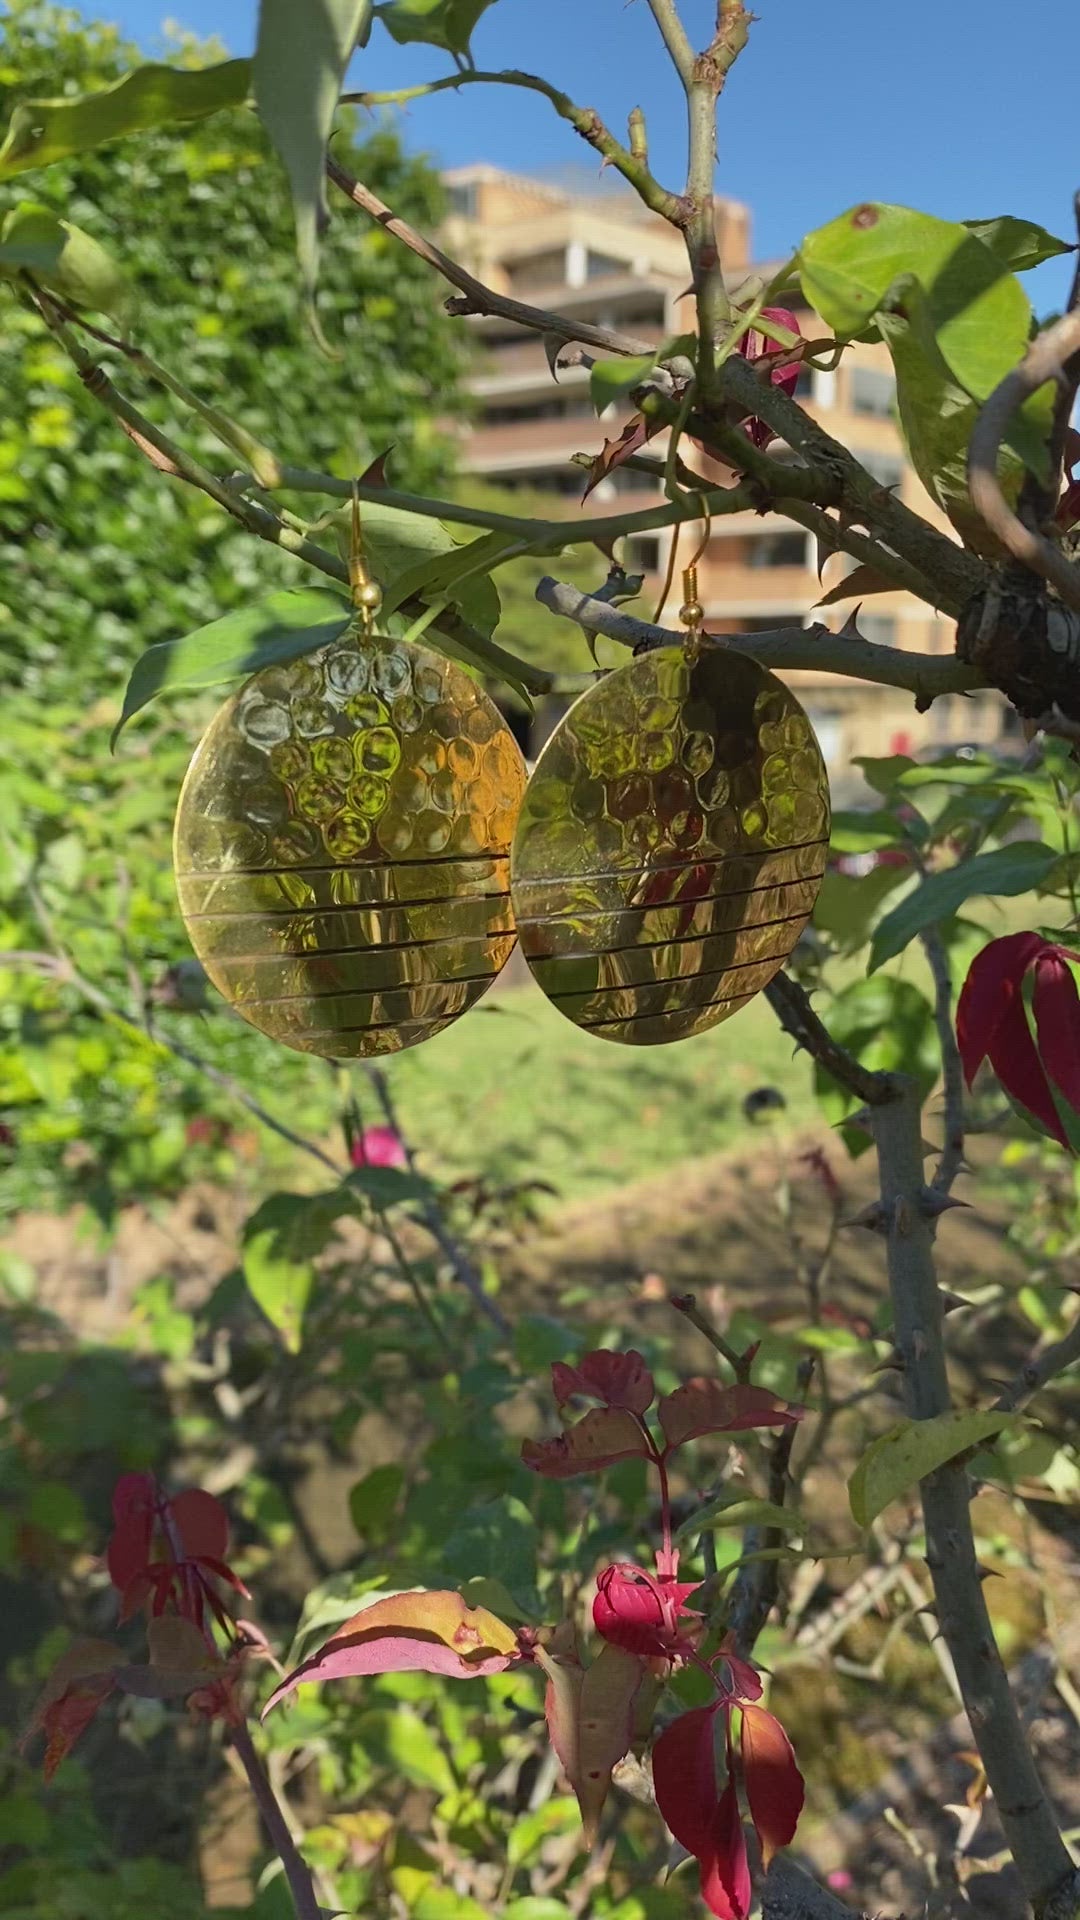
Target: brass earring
{"type": "Point", "coordinates": [342, 842]}
{"type": "Point", "coordinates": [671, 843]}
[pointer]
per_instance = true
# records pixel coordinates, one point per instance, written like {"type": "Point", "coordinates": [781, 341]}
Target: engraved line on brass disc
{"type": "Point", "coordinates": [340, 866]}
{"type": "Point", "coordinates": [366, 946]}
{"type": "Point", "coordinates": [346, 906]}
{"type": "Point", "coordinates": [673, 1013]}
{"type": "Point", "coordinates": [678, 901]}
{"type": "Point", "coordinates": [351, 993]}
{"type": "Point", "coordinates": [703, 859]}
{"type": "Point", "coordinates": [677, 940]}
{"type": "Point", "coordinates": [633, 987]}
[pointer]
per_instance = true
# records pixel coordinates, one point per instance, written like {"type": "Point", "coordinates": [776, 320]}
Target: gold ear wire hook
{"type": "Point", "coordinates": [692, 613]}
{"type": "Point", "coordinates": [366, 592]}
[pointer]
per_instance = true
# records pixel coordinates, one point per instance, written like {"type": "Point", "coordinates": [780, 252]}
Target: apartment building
{"type": "Point", "coordinates": [606, 258]}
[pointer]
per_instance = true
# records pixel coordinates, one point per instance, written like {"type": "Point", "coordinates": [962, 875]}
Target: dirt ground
{"type": "Point", "coordinates": [893, 1805]}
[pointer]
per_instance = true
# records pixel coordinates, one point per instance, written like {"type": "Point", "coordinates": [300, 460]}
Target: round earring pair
{"type": "Point", "coordinates": [357, 849]}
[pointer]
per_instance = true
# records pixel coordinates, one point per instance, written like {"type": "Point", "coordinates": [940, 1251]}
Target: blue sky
{"type": "Point", "coordinates": [953, 109]}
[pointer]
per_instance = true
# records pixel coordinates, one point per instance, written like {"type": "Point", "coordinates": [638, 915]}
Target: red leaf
{"type": "Point", "coordinates": [590, 1716]}
{"type": "Point", "coordinates": [684, 1778]}
{"type": "Point", "coordinates": [1016, 1062]}
{"type": "Point", "coordinates": [704, 1406]}
{"type": "Point", "coordinates": [71, 1696]}
{"type": "Point", "coordinates": [616, 1379]}
{"type": "Point", "coordinates": [409, 1633]}
{"type": "Point", "coordinates": [613, 452]}
{"type": "Point", "coordinates": [725, 1871]}
{"type": "Point", "coordinates": [561, 1662]}
{"type": "Point", "coordinates": [994, 980]}
{"type": "Point", "coordinates": [1057, 1022]}
{"type": "Point", "coordinates": [134, 1505]}
{"type": "Point", "coordinates": [774, 1785]}
{"type": "Point", "coordinates": [201, 1525]}
{"type": "Point", "coordinates": [605, 1435]}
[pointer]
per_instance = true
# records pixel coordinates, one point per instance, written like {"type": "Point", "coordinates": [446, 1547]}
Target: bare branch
{"type": "Point", "coordinates": [674, 36]}
{"type": "Point", "coordinates": [479, 298]}
{"type": "Point", "coordinates": [926, 675]}
{"type": "Point", "coordinates": [1046, 359]}
{"type": "Point", "coordinates": [1043, 1367]}
{"type": "Point", "coordinates": [791, 1005]}
{"type": "Point", "coordinates": [757, 1585]}
{"type": "Point", "coordinates": [1030, 1828]}
{"type": "Point", "coordinates": [631, 162]}
{"type": "Point", "coordinates": [790, 1894]}
{"type": "Point", "coordinates": [952, 1154]}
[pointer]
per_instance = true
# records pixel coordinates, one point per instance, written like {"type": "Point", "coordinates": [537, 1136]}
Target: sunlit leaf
{"type": "Point", "coordinates": [438, 23]}
{"type": "Point", "coordinates": [605, 1435]}
{"type": "Point", "coordinates": [896, 1461]}
{"type": "Point", "coordinates": [41, 132]}
{"type": "Point", "coordinates": [1018, 244]}
{"type": "Point", "coordinates": [1006, 870]}
{"type": "Point", "coordinates": [300, 58]}
{"type": "Point", "coordinates": [705, 1406]}
{"type": "Point", "coordinates": [426, 1632]}
{"type": "Point", "coordinates": [64, 259]}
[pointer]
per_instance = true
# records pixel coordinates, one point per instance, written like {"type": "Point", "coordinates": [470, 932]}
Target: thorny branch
{"type": "Point", "coordinates": [1037, 1372]}
{"type": "Point", "coordinates": [791, 1005]}
{"type": "Point", "coordinates": [1047, 358]}
{"type": "Point", "coordinates": [926, 675]}
{"type": "Point", "coordinates": [952, 1153]}
{"type": "Point", "coordinates": [1030, 1828]}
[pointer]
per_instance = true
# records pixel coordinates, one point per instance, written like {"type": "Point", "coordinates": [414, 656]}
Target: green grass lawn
{"type": "Point", "coordinates": [514, 1090]}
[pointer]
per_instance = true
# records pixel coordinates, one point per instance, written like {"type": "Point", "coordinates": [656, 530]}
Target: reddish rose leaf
{"type": "Point", "coordinates": [616, 1379]}
{"type": "Point", "coordinates": [71, 1696]}
{"type": "Point", "coordinates": [684, 1777]}
{"type": "Point", "coordinates": [417, 1632]}
{"type": "Point", "coordinates": [737, 1678]}
{"type": "Point", "coordinates": [774, 1785]}
{"type": "Point", "coordinates": [725, 1870]}
{"type": "Point", "coordinates": [561, 1662]}
{"type": "Point", "coordinates": [1015, 1059]}
{"type": "Point", "coordinates": [613, 452]}
{"type": "Point", "coordinates": [200, 1524]}
{"type": "Point", "coordinates": [605, 1435]}
{"type": "Point", "coordinates": [1056, 1006]}
{"type": "Point", "coordinates": [994, 980]}
{"type": "Point", "coordinates": [134, 1505]}
{"type": "Point", "coordinates": [609, 1690]}
{"type": "Point", "coordinates": [705, 1406]}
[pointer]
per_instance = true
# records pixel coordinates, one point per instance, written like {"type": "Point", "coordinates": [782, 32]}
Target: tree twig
{"type": "Point", "coordinates": [1044, 1366]}
{"type": "Point", "coordinates": [481, 299]}
{"type": "Point", "coordinates": [926, 675]}
{"type": "Point", "coordinates": [791, 1005]}
{"type": "Point", "coordinates": [686, 1304]}
{"type": "Point", "coordinates": [1040, 1854]}
{"type": "Point", "coordinates": [675, 38]}
{"type": "Point", "coordinates": [584, 120]}
{"type": "Point", "coordinates": [301, 1885]}
{"type": "Point", "coordinates": [1046, 359]}
{"type": "Point", "coordinates": [756, 1587]}
{"type": "Point", "coordinates": [952, 1152]}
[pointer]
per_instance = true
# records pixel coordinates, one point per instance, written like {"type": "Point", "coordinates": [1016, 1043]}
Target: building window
{"type": "Point", "coordinates": [887, 468]}
{"type": "Point", "coordinates": [601, 266]}
{"type": "Point", "coordinates": [463, 199]}
{"type": "Point", "coordinates": [626, 480]}
{"type": "Point", "coordinates": [872, 391]}
{"type": "Point", "coordinates": [777, 550]}
{"type": "Point", "coordinates": [804, 385]}
{"type": "Point", "coordinates": [647, 318]}
{"type": "Point", "coordinates": [562, 480]}
{"type": "Point", "coordinates": [643, 554]}
{"type": "Point", "coordinates": [538, 270]}
{"type": "Point", "coordinates": [878, 627]}
{"type": "Point", "coordinates": [505, 414]}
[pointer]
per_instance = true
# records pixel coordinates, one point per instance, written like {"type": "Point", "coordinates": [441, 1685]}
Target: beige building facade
{"type": "Point", "coordinates": [606, 259]}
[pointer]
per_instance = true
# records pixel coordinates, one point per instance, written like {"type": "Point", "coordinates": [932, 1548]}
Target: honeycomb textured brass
{"type": "Point", "coordinates": [670, 846]}
{"type": "Point", "coordinates": [342, 847]}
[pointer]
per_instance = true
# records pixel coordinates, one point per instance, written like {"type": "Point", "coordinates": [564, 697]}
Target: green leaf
{"type": "Point", "coordinates": [611, 380]}
{"type": "Point", "coordinates": [1018, 244]}
{"type": "Point", "coordinates": [300, 58]}
{"type": "Point", "coordinates": [495, 1539]}
{"type": "Point", "coordinates": [373, 1499]}
{"type": "Point", "coordinates": [282, 627]}
{"type": "Point", "coordinates": [979, 312]}
{"type": "Point", "coordinates": [441, 575]}
{"type": "Point", "coordinates": [740, 1513]}
{"type": "Point", "coordinates": [438, 23]}
{"type": "Point", "coordinates": [389, 1186]}
{"type": "Point", "coordinates": [398, 1739]}
{"type": "Point", "coordinates": [536, 1906]}
{"type": "Point", "coordinates": [847, 904]}
{"type": "Point", "coordinates": [278, 1264]}
{"type": "Point", "coordinates": [1007, 870]}
{"type": "Point", "coordinates": [899, 1459]}
{"type": "Point", "coordinates": [63, 258]}
{"type": "Point", "coordinates": [41, 132]}
{"type": "Point", "coordinates": [857, 832]}
{"type": "Point", "coordinates": [558, 1815]}
{"type": "Point", "coordinates": [889, 1025]}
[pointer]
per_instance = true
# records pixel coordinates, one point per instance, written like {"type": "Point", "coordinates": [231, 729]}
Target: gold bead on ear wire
{"type": "Point", "coordinates": [672, 841]}
{"type": "Point", "coordinates": [342, 842]}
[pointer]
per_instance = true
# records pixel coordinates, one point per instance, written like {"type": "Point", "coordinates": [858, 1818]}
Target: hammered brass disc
{"type": "Point", "coordinates": [342, 847]}
{"type": "Point", "coordinates": [670, 846]}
